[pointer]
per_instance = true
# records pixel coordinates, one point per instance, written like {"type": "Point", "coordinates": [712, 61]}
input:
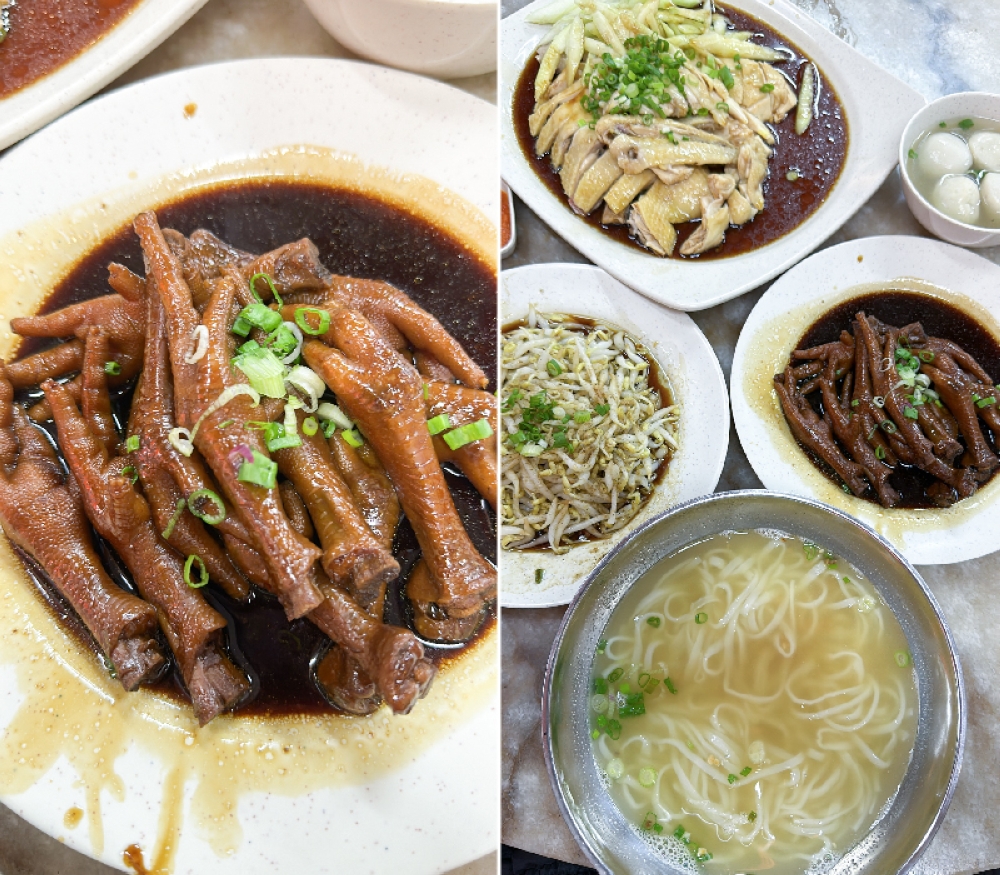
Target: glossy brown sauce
{"type": "Point", "coordinates": [356, 236]}
{"type": "Point", "coordinates": [818, 156]}
{"type": "Point", "coordinates": [657, 380]}
{"type": "Point", "coordinates": [45, 34]}
{"type": "Point", "coordinates": [939, 319]}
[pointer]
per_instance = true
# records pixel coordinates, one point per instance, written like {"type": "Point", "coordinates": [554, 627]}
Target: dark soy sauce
{"type": "Point", "coordinates": [357, 236]}
{"type": "Point", "coordinates": [818, 156]}
{"type": "Point", "coordinates": [939, 319]}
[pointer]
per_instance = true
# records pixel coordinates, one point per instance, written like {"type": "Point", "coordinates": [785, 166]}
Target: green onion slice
{"type": "Point", "coordinates": [701, 618]}
{"type": "Point", "coordinates": [132, 443]}
{"type": "Point", "coordinates": [169, 530]}
{"type": "Point", "coordinates": [303, 316]}
{"type": "Point", "coordinates": [553, 367]}
{"type": "Point", "coordinates": [196, 502]}
{"type": "Point", "coordinates": [262, 471]}
{"type": "Point", "coordinates": [352, 438]}
{"type": "Point", "coordinates": [202, 572]}
{"type": "Point", "coordinates": [112, 368]}
{"type": "Point", "coordinates": [270, 285]}
{"type": "Point", "coordinates": [466, 434]}
{"type": "Point", "coordinates": [438, 424]}
{"type": "Point", "coordinates": [310, 426]}
{"type": "Point", "coordinates": [130, 472]}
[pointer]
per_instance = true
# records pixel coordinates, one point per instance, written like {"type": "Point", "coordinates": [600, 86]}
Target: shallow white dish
{"type": "Point", "coordinates": [694, 285]}
{"type": "Point", "coordinates": [980, 104]}
{"type": "Point", "coordinates": [135, 36]}
{"type": "Point", "coordinates": [445, 38]}
{"type": "Point", "coordinates": [689, 363]}
{"type": "Point", "coordinates": [438, 808]}
{"type": "Point", "coordinates": [781, 317]}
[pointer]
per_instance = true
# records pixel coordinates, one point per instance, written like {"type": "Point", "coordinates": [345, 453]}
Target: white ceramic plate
{"type": "Point", "coordinates": [693, 372]}
{"type": "Point", "coordinates": [135, 36]}
{"type": "Point", "coordinates": [694, 285]}
{"type": "Point", "coordinates": [437, 807]}
{"type": "Point", "coordinates": [781, 317]}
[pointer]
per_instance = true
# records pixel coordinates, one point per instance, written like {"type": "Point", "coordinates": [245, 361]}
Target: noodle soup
{"type": "Point", "coordinates": [754, 705]}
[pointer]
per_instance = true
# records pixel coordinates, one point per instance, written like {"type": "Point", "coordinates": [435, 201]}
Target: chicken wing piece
{"type": "Point", "coordinates": [352, 555]}
{"type": "Point", "coordinates": [41, 513]}
{"type": "Point", "coordinates": [477, 460]}
{"type": "Point", "coordinates": [120, 513]}
{"type": "Point", "coordinates": [170, 478]}
{"type": "Point", "coordinates": [394, 314]}
{"type": "Point", "coordinates": [384, 395]}
{"type": "Point", "coordinates": [289, 558]}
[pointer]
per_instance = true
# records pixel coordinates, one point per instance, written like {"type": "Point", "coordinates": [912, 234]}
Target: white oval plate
{"type": "Point", "coordinates": [440, 808]}
{"type": "Point", "coordinates": [693, 284]}
{"type": "Point", "coordinates": [781, 317]}
{"type": "Point", "coordinates": [695, 377]}
{"type": "Point", "coordinates": [134, 37]}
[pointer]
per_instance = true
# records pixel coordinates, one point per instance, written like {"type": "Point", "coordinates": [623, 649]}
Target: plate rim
{"type": "Point", "coordinates": [756, 429]}
{"type": "Point", "coordinates": [471, 741]}
{"type": "Point", "coordinates": [869, 160]}
{"type": "Point", "coordinates": [114, 52]}
{"type": "Point", "coordinates": [716, 401]}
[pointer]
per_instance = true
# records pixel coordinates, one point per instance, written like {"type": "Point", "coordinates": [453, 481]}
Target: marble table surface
{"type": "Point", "coordinates": [938, 47]}
{"type": "Point", "coordinates": [223, 30]}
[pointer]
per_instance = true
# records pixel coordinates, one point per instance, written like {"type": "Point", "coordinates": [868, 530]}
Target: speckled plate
{"type": "Point", "coordinates": [686, 359]}
{"type": "Point", "coordinates": [781, 317]}
{"type": "Point", "coordinates": [103, 770]}
{"type": "Point", "coordinates": [691, 284]}
{"type": "Point", "coordinates": [134, 37]}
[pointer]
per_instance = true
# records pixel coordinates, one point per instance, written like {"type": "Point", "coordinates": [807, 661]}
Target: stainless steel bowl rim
{"type": "Point", "coordinates": [751, 495]}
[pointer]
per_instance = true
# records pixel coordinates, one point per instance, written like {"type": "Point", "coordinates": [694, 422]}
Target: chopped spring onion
{"type": "Point", "coordinates": [986, 402]}
{"type": "Point", "coordinates": [581, 416]}
{"type": "Point", "coordinates": [438, 424]}
{"type": "Point", "coordinates": [767, 87]}
{"type": "Point", "coordinates": [169, 530]}
{"type": "Point", "coordinates": [332, 413]}
{"type": "Point", "coordinates": [195, 505]}
{"type": "Point", "coordinates": [307, 381]}
{"type": "Point", "coordinates": [732, 778]}
{"type": "Point", "coordinates": [202, 572]}
{"type": "Point", "coordinates": [112, 368]}
{"type": "Point", "coordinates": [746, 770]}
{"type": "Point", "coordinates": [911, 412]}
{"type": "Point", "coordinates": [701, 618]}
{"type": "Point", "coordinates": [599, 703]}
{"type": "Point", "coordinates": [647, 777]}
{"type": "Point", "coordinates": [669, 684]}
{"type": "Point", "coordinates": [966, 123]}
{"type": "Point", "coordinates": [649, 821]}
{"type": "Point", "coordinates": [427, 394]}
{"type": "Point", "coordinates": [304, 314]}
{"type": "Point", "coordinates": [261, 316]}
{"type": "Point", "coordinates": [352, 438]}
{"type": "Point", "coordinates": [752, 816]}
{"type": "Point", "coordinates": [602, 409]}
{"type": "Point", "coordinates": [132, 443]}
{"type": "Point", "coordinates": [130, 472]}
{"type": "Point", "coordinates": [226, 423]}
{"type": "Point", "coordinates": [260, 472]}
{"type": "Point", "coordinates": [880, 452]}
{"type": "Point", "coordinates": [600, 686]}
{"type": "Point", "coordinates": [553, 367]}
{"type": "Point", "coordinates": [199, 339]}
{"type": "Point", "coordinates": [270, 285]}
{"type": "Point", "coordinates": [310, 426]}
{"type": "Point", "coordinates": [539, 576]}
{"type": "Point", "coordinates": [902, 658]}
{"type": "Point", "coordinates": [466, 434]}
{"type": "Point", "coordinates": [616, 675]}
{"type": "Point", "coordinates": [329, 429]}
{"type": "Point", "coordinates": [287, 339]}
{"type": "Point", "coordinates": [181, 440]}
{"type": "Point", "coordinates": [654, 622]}
{"type": "Point", "coordinates": [614, 730]}
{"type": "Point", "coordinates": [615, 769]}
{"type": "Point", "coordinates": [264, 371]}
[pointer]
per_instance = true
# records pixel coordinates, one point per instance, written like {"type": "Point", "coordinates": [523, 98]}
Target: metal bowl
{"type": "Point", "coordinates": [906, 827]}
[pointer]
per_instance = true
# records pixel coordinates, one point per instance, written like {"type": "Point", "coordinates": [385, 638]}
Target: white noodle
{"type": "Point", "coordinates": [792, 674]}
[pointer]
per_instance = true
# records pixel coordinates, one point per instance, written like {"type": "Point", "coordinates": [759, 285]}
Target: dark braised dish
{"type": "Point", "coordinates": [234, 465]}
{"type": "Point", "coordinates": [898, 415]}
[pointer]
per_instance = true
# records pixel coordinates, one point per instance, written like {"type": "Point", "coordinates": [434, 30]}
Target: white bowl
{"type": "Point", "coordinates": [445, 38]}
{"type": "Point", "coordinates": [965, 103]}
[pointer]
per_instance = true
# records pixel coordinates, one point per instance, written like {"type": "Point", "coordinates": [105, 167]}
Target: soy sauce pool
{"type": "Point", "coordinates": [818, 157]}
{"type": "Point", "coordinates": [359, 236]}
